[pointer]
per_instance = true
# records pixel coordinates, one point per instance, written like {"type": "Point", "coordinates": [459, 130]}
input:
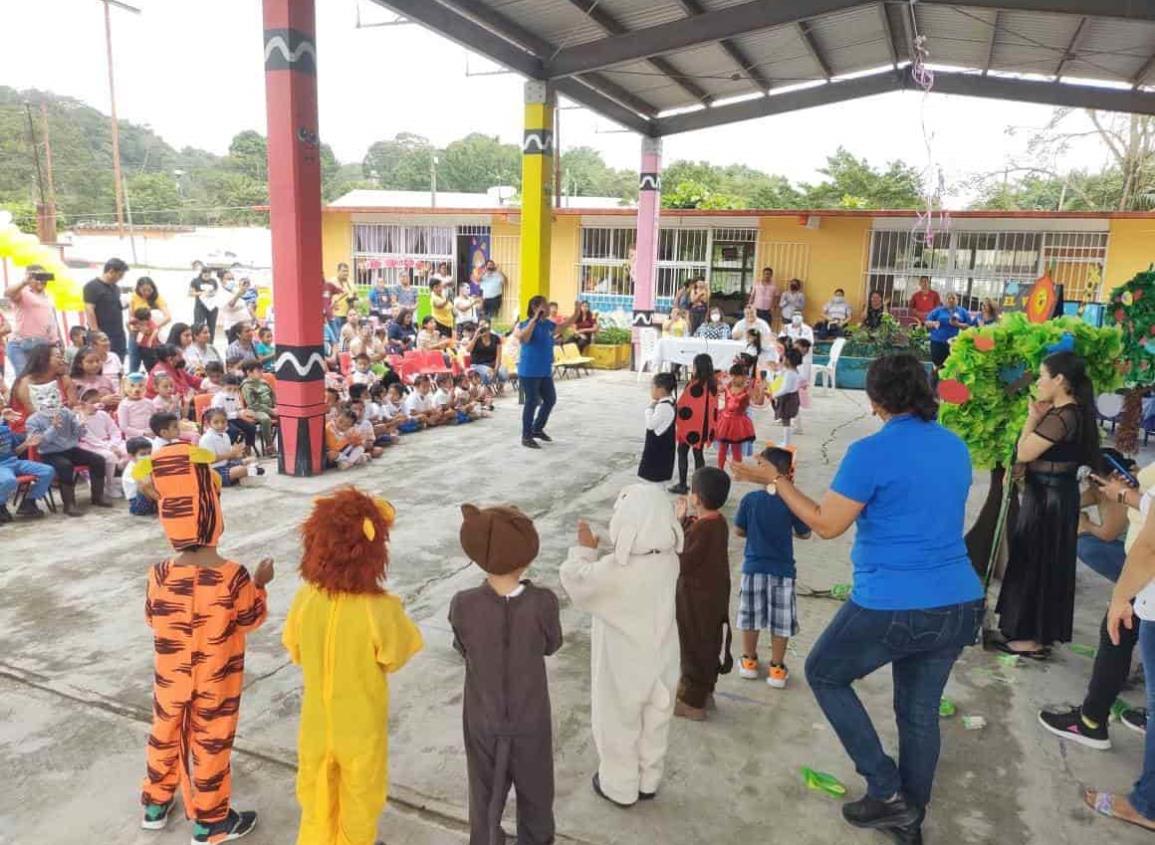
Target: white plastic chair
{"type": "Point", "coordinates": [647, 345]}
{"type": "Point", "coordinates": [828, 371]}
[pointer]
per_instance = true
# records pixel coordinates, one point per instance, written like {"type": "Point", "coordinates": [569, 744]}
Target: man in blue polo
{"type": "Point", "coordinates": [535, 370]}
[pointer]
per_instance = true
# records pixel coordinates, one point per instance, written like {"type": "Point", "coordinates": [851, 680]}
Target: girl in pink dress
{"type": "Point", "coordinates": [102, 436]}
{"type": "Point", "coordinates": [735, 428]}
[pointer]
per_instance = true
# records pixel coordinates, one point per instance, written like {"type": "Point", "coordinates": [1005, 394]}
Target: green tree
{"type": "Point", "coordinates": [249, 155]}
{"type": "Point", "coordinates": [866, 187]}
{"type": "Point", "coordinates": [154, 198]}
{"type": "Point", "coordinates": [692, 194]}
{"type": "Point", "coordinates": [477, 163]}
{"type": "Point", "coordinates": [585, 173]}
{"type": "Point", "coordinates": [401, 164]}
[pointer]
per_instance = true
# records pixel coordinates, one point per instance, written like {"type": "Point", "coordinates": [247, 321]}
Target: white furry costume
{"type": "Point", "coordinates": [634, 651]}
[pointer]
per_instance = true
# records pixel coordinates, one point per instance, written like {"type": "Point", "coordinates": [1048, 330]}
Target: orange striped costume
{"type": "Point", "coordinates": [190, 496]}
{"type": "Point", "coordinates": [199, 617]}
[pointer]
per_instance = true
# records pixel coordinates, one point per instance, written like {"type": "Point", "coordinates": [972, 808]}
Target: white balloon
{"type": "Point", "coordinates": [1109, 404]}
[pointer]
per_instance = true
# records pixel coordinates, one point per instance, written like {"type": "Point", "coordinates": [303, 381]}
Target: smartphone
{"type": "Point", "coordinates": [1116, 465]}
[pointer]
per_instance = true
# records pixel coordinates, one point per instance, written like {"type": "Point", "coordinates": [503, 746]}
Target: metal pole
{"type": "Point", "coordinates": [433, 182]}
{"type": "Point", "coordinates": [116, 177]}
{"type": "Point", "coordinates": [557, 158]}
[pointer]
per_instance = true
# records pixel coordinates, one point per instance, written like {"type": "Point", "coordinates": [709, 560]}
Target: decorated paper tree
{"type": "Point", "coordinates": [1132, 309]}
{"type": "Point", "coordinates": [986, 393]}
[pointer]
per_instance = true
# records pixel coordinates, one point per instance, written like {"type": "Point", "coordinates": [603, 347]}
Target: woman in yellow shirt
{"type": "Point", "coordinates": [676, 326]}
{"type": "Point", "coordinates": [145, 296]}
{"type": "Point", "coordinates": [347, 634]}
{"type": "Point", "coordinates": [441, 305]}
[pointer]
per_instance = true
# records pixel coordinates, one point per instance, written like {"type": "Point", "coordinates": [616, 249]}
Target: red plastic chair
{"type": "Point", "coordinates": [346, 363]}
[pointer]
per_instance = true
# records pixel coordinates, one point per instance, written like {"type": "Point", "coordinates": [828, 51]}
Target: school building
{"type": "Point", "coordinates": [592, 244]}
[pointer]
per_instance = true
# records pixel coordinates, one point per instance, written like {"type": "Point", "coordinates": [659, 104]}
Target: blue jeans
{"type": "Point", "coordinates": [540, 397]}
{"type": "Point", "coordinates": [1143, 792]}
{"type": "Point", "coordinates": [1101, 556]}
{"type": "Point", "coordinates": [922, 646]}
{"type": "Point", "coordinates": [11, 468]}
{"type": "Point", "coordinates": [18, 351]}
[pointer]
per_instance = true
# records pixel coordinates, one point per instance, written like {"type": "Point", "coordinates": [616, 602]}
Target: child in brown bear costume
{"type": "Point", "coordinates": [505, 628]}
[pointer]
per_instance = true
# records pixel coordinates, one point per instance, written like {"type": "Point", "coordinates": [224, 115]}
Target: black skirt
{"type": "Point", "coordinates": [1037, 600]}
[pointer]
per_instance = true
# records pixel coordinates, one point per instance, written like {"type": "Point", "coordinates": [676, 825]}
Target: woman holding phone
{"type": "Point", "coordinates": [1037, 602]}
{"type": "Point", "coordinates": [535, 370]}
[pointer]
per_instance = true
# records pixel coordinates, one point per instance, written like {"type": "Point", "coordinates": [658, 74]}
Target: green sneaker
{"type": "Point", "coordinates": [156, 815]}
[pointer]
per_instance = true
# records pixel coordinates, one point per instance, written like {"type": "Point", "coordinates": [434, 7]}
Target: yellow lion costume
{"type": "Point", "coordinates": [347, 634]}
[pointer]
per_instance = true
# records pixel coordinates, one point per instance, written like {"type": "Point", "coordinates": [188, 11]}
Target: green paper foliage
{"type": "Point", "coordinates": [991, 420]}
{"type": "Point", "coordinates": [1137, 322]}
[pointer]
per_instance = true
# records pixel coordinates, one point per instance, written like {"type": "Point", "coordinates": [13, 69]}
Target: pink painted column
{"type": "Point", "coordinates": [649, 207]}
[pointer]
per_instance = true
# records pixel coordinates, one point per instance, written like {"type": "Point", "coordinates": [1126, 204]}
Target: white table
{"type": "Point", "coordinates": [683, 350]}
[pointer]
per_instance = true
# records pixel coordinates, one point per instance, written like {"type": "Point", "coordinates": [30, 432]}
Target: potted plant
{"type": "Point", "coordinates": [863, 345]}
{"type": "Point", "coordinates": [611, 348]}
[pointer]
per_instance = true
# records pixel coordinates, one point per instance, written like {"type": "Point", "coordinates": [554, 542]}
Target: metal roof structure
{"type": "Point", "coordinates": [660, 67]}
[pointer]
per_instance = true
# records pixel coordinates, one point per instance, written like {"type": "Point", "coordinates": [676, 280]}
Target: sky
{"type": "Point", "coordinates": [193, 71]}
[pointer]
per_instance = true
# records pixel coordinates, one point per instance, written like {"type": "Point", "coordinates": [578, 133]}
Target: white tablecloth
{"type": "Point", "coordinates": [682, 350]}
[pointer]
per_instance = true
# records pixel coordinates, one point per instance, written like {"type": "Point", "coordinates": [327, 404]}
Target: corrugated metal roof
{"type": "Point", "coordinates": [848, 41]}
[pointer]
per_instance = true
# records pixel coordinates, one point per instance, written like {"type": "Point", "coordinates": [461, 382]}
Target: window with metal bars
{"type": "Point", "coordinates": [978, 264]}
{"type": "Point", "coordinates": [387, 250]}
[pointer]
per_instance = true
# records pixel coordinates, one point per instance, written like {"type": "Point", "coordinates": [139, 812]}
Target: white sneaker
{"type": "Point", "coordinates": [748, 669]}
{"type": "Point", "coordinates": [777, 676]}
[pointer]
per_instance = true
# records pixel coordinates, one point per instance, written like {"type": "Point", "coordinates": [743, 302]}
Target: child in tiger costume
{"type": "Point", "coordinates": [200, 606]}
{"type": "Point", "coordinates": [347, 634]}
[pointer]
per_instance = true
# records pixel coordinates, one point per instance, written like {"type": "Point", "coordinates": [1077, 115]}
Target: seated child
{"type": "Point", "coordinates": [13, 465]}
{"type": "Point", "coordinates": [392, 405]}
{"type": "Point", "coordinates": [505, 628]}
{"type": "Point", "coordinates": [344, 447]}
{"type": "Point", "coordinates": [242, 423]}
{"type": "Point", "coordinates": [374, 444]}
{"type": "Point", "coordinates": [630, 592]}
{"type": "Point", "coordinates": [60, 431]}
{"type": "Point", "coordinates": [658, 453]}
{"type": "Point", "coordinates": [230, 463]}
{"type": "Point", "coordinates": [463, 400]}
{"type": "Point", "coordinates": [343, 608]}
{"type": "Point", "coordinates": [134, 411]}
{"type": "Point", "coordinates": [703, 592]}
{"type": "Point", "coordinates": [444, 404]}
{"type": "Point", "coordinates": [102, 437]}
{"type": "Point", "coordinates": [766, 599]}
{"type": "Point", "coordinates": [362, 374]}
{"type": "Point", "coordinates": [214, 378]}
{"type": "Point", "coordinates": [265, 349]}
{"type": "Point", "coordinates": [419, 404]}
{"type": "Point", "coordinates": [260, 402]}
{"type": "Point", "coordinates": [168, 401]}
{"type": "Point", "coordinates": [139, 503]}
{"type": "Point", "coordinates": [332, 402]}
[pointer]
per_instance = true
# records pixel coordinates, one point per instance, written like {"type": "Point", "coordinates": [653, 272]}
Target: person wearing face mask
{"type": "Point", "coordinates": [798, 330]}
{"type": "Point", "coordinates": [715, 328]}
{"type": "Point", "coordinates": [835, 315]}
{"type": "Point", "coordinates": [792, 301]}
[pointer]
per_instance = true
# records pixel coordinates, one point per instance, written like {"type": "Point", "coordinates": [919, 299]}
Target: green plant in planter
{"type": "Point", "coordinates": [888, 338]}
{"type": "Point", "coordinates": [992, 418]}
{"type": "Point", "coordinates": [613, 336]}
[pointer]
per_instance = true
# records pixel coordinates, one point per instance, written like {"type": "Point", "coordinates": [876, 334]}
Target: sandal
{"type": "Point", "coordinates": [1036, 654]}
{"type": "Point", "coordinates": [1103, 803]}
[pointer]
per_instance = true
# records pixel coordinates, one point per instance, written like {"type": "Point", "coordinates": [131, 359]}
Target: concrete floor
{"type": "Point", "coordinates": [75, 666]}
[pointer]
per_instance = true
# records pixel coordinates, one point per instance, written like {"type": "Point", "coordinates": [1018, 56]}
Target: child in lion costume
{"type": "Point", "coordinates": [347, 634]}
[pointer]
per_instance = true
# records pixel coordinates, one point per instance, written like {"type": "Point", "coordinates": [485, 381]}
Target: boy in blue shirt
{"type": "Point", "coordinates": [766, 599]}
{"type": "Point", "coordinates": [945, 322]}
{"type": "Point", "coordinates": [12, 466]}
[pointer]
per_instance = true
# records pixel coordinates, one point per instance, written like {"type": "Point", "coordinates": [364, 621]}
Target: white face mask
{"type": "Point", "coordinates": [715, 317]}
{"type": "Point", "coordinates": [796, 320]}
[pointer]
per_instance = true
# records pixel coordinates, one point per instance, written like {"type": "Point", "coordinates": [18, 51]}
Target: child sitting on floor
{"type": "Point", "coordinates": [139, 503]}
{"type": "Point", "coordinates": [785, 393]}
{"type": "Point", "coordinates": [463, 400]}
{"type": "Point", "coordinates": [102, 437]}
{"type": "Point", "coordinates": [392, 404]}
{"type": "Point", "coordinates": [230, 464]}
{"type": "Point", "coordinates": [657, 463]}
{"type": "Point", "coordinates": [703, 592]}
{"type": "Point", "coordinates": [343, 609]}
{"type": "Point", "coordinates": [505, 628]}
{"type": "Point", "coordinates": [344, 447]}
{"type": "Point", "coordinates": [766, 598]}
{"type": "Point", "coordinates": [445, 404]}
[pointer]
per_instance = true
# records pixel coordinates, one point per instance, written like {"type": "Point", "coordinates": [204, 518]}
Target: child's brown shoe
{"type": "Point", "coordinates": [684, 711]}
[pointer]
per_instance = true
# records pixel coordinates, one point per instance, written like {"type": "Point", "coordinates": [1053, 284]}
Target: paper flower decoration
{"type": "Point", "coordinates": [1041, 300]}
{"type": "Point", "coordinates": [984, 343]}
{"type": "Point", "coordinates": [953, 392]}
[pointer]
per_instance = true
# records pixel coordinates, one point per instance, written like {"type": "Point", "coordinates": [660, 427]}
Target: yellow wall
{"type": "Point", "coordinates": [837, 257]}
{"type": "Point", "coordinates": [336, 241]}
{"type": "Point", "coordinates": [1130, 249]}
{"type": "Point", "coordinates": [563, 281]}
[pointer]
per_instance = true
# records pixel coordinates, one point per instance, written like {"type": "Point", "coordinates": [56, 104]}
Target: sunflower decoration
{"type": "Point", "coordinates": [1041, 300]}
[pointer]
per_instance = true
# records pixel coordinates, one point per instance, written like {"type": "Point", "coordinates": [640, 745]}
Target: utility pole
{"type": "Point", "coordinates": [45, 232]}
{"type": "Point", "coordinates": [50, 212]}
{"type": "Point", "coordinates": [116, 176]}
{"type": "Point", "coordinates": [433, 181]}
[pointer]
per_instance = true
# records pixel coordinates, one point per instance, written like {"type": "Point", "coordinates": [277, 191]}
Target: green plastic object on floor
{"type": "Point", "coordinates": [823, 782]}
{"type": "Point", "coordinates": [946, 708]}
{"type": "Point", "coordinates": [1009, 660]}
{"type": "Point", "coordinates": [840, 592]}
{"type": "Point", "coordinates": [1118, 708]}
{"type": "Point", "coordinates": [1083, 650]}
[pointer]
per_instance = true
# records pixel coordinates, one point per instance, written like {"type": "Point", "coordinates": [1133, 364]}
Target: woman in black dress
{"type": "Point", "coordinates": [1037, 602]}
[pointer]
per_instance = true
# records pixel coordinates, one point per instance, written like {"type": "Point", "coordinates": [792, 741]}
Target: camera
{"type": "Point", "coordinates": [43, 276]}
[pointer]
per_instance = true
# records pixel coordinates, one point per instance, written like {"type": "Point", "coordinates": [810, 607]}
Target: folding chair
{"type": "Point", "coordinates": [574, 358]}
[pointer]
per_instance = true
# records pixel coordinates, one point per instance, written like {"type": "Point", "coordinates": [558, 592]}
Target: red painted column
{"type": "Point", "coordinates": [295, 220]}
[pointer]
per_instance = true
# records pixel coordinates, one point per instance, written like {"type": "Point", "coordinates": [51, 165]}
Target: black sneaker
{"type": "Point", "coordinates": [1135, 718]}
{"type": "Point", "coordinates": [233, 827]}
{"type": "Point", "coordinates": [29, 510]}
{"type": "Point", "coordinates": [4, 515]}
{"type": "Point", "coordinates": [156, 815]}
{"type": "Point", "coordinates": [679, 490]}
{"type": "Point", "coordinates": [910, 834]}
{"type": "Point", "coordinates": [1069, 724]}
{"type": "Point", "coordinates": [530, 443]}
{"type": "Point", "coordinates": [541, 435]}
{"type": "Point", "coordinates": [874, 814]}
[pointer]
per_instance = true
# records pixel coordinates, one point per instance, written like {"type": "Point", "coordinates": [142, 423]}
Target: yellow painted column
{"type": "Point", "coordinates": [536, 193]}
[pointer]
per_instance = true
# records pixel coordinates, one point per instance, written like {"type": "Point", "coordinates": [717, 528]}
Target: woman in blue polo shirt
{"type": "Point", "coordinates": [535, 370]}
{"type": "Point", "coordinates": [916, 601]}
{"type": "Point", "coordinates": [945, 322]}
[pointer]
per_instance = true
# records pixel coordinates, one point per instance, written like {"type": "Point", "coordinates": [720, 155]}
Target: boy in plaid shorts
{"type": "Point", "coordinates": [766, 600]}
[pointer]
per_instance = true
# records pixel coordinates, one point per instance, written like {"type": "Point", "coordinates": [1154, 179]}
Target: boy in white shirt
{"type": "Point", "coordinates": [361, 373]}
{"type": "Point", "coordinates": [419, 404]}
{"type": "Point", "coordinates": [138, 448]}
{"type": "Point", "coordinates": [230, 464]}
{"type": "Point", "coordinates": [392, 405]}
{"type": "Point", "coordinates": [443, 401]}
